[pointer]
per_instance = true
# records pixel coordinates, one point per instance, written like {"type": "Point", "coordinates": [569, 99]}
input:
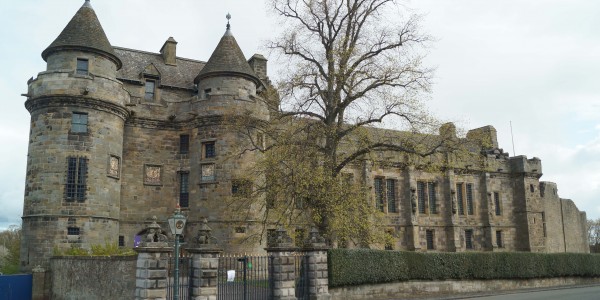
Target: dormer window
{"type": "Point", "coordinates": [82, 66]}
{"type": "Point", "coordinates": [151, 77]}
{"type": "Point", "coordinates": [150, 88]}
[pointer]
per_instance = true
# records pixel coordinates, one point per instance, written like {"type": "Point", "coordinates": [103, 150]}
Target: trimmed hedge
{"type": "Point", "coordinates": [365, 266]}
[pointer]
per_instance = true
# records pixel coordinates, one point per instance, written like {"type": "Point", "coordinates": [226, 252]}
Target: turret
{"type": "Point", "coordinates": [228, 78]}
{"type": "Point", "coordinates": [72, 190]}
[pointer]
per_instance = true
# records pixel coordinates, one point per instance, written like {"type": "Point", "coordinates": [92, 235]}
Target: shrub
{"type": "Point", "coordinates": [365, 266]}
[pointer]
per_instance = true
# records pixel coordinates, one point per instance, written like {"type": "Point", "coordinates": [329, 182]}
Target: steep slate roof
{"type": "Point", "coordinates": [227, 59]}
{"type": "Point", "coordinates": [83, 32]}
{"type": "Point", "coordinates": [135, 61]}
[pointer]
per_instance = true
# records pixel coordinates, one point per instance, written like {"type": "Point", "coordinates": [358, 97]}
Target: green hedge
{"type": "Point", "coordinates": [364, 266]}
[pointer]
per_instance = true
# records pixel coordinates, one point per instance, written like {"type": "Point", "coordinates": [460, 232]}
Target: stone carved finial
{"type": "Point", "coordinates": [282, 239]}
{"type": "Point", "coordinates": [154, 237]}
{"type": "Point", "coordinates": [204, 236]}
{"type": "Point", "coordinates": [315, 240]}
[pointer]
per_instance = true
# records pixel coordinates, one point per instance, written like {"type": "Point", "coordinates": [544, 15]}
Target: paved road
{"type": "Point", "coordinates": [581, 293]}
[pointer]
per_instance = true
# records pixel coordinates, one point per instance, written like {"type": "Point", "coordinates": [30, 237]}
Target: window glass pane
{"type": "Point", "coordinates": [149, 90]}
{"type": "Point", "coordinates": [75, 186]}
{"type": "Point", "coordinates": [79, 122]}
{"type": "Point", "coordinates": [429, 238]}
{"type": "Point", "coordinates": [432, 199]}
{"type": "Point", "coordinates": [469, 239]}
{"type": "Point", "coordinates": [82, 66]}
{"type": "Point", "coordinates": [421, 195]}
{"type": "Point", "coordinates": [460, 198]}
{"type": "Point", "coordinates": [497, 203]}
{"type": "Point", "coordinates": [470, 209]}
{"type": "Point", "coordinates": [209, 149]}
{"type": "Point", "coordinates": [499, 239]}
{"type": "Point", "coordinates": [71, 176]}
{"type": "Point", "coordinates": [184, 143]}
{"type": "Point", "coordinates": [81, 172]}
{"type": "Point", "coordinates": [391, 195]}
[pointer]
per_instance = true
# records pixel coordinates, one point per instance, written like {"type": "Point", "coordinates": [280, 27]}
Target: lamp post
{"type": "Point", "coordinates": [177, 223]}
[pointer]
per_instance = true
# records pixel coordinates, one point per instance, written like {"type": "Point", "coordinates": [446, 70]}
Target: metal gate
{"type": "Point", "coordinates": [185, 276]}
{"type": "Point", "coordinates": [243, 277]}
{"type": "Point", "coordinates": [15, 287]}
{"type": "Point", "coordinates": [301, 274]}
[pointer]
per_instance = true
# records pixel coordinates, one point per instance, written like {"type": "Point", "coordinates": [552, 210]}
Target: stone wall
{"type": "Point", "coordinates": [427, 289]}
{"type": "Point", "coordinates": [93, 278]}
{"type": "Point", "coordinates": [575, 227]}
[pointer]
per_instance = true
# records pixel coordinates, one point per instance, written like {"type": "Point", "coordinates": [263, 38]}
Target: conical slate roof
{"type": "Point", "coordinates": [83, 32]}
{"type": "Point", "coordinates": [227, 59]}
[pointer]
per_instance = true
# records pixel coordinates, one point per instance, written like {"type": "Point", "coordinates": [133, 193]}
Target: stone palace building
{"type": "Point", "coordinates": [120, 135]}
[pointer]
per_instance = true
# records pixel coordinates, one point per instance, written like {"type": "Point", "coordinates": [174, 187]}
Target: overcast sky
{"type": "Point", "coordinates": [532, 62]}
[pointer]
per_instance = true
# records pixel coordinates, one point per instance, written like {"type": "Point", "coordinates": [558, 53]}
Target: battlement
{"type": "Point", "coordinates": [520, 164]}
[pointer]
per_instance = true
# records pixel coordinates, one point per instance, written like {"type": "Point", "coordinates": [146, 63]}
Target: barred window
{"type": "Point", "coordinates": [184, 196]}
{"type": "Point", "coordinates": [391, 195]}
{"type": "Point", "coordinates": [79, 122]}
{"type": "Point", "coordinates": [121, 241]}
{"type": "Point", "coordinates": [460, 198]}
{"type": "Point", "coordinates": [209, 149]}
{"type": "Point", "coordinates": [76, 178]}
{"type": "Point", "coordinates": [429, 238]}
{"type": "Point", "coordinates": [470, 209]}
{"type": "Point", "coordinates": [421, 194]}
{"type": "Point", "coordinates": [427, 197]}
{"type": "Point", "coordinates": [82, 66]}
{"type": "Point", "coordinates": [497, 206]}
{"type": "Point", "coordinates": [499, 239]}
{"type": "Point", "coordinates": [184, 144]}
{"type": "Point", "coordinates": [378, 184]}
{"type": "Point", "coordinates": [469, 239]}
{"type": "Point", "coordinates": [432, 199]}
{"type": "Point", "coordinates": [72, 230]}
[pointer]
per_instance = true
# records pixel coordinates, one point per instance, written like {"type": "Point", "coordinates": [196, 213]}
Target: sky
{"type": "Point", "coordinates": [530, 63]}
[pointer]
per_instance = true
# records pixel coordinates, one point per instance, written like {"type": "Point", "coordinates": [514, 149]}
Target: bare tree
{"type": "Point", "coordinates": [593, 227]}
{"type": "Point", "coordinates": [351, 65]}
{"type": "Point", "coordinates": [10, 242]}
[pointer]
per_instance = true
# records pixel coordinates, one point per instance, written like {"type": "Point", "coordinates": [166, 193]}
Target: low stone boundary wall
{"type": "Point", "coordinates": [93, 277]}
{"type": "Point", "coordinates": [417, 289]}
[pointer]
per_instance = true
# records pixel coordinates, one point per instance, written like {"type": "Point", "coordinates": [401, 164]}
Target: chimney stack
{"type": "Point", "coordinates": [168, 51]}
